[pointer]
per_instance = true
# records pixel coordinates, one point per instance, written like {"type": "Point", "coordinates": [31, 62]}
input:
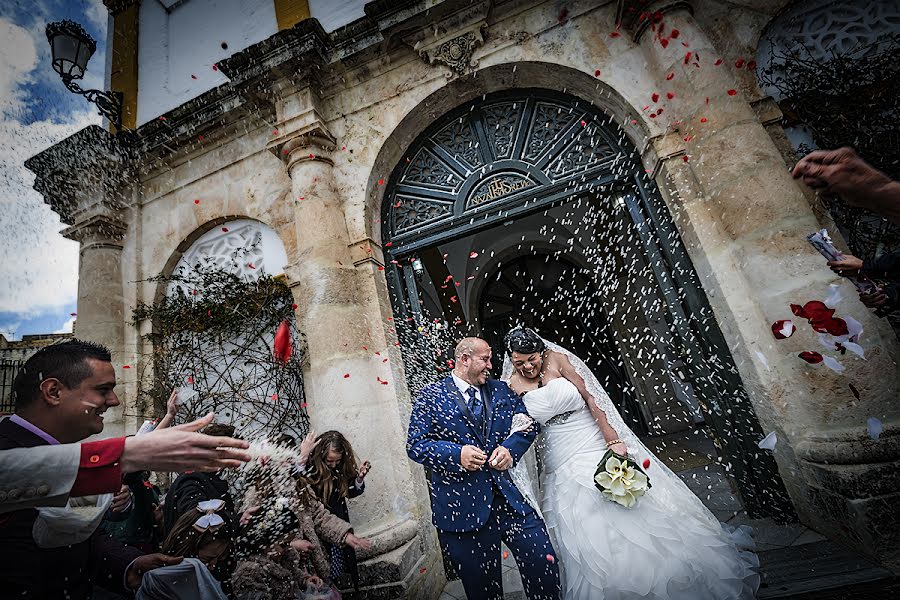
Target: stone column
{"type": "Point", "coordinates": [350, 383]}
{"type": "Point", "coordinates": [744, 221]}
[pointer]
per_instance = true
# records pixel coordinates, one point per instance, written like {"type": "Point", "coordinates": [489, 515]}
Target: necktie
{"type": "Point", "coordinates": [477, 407]}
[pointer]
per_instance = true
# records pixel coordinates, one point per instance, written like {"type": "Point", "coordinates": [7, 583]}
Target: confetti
{"type": "Point", "coordinates": [473, 255]}
{"type": "Point", "coordinates": [875, 428]}
{"type": "Point", "coordinates": [283, 347]}
{"type": "Point", "coordinates": [811, 357]}
{"type": "Point", "coordinates": [670, 76]}
{"type": "Point", "coordinates": [655, 97]}
{"type": "Point", "coordinates": [783, 329]}
{"type": "Point", "coordinates": [646, 463]}
{"type": "Point", "coordinates": [551, 558]}
{"type": "Point", "coordinates": [768, 442]}
{"type": "Point", "coordinates": [732, 92]}
{"type": "Point", "coordinates": [704, 120]}
{"type": "Point", "coordinates": [126, 366]}
{"type": "Point", "coordinates": [670, 95]}
{"type": "Point", "coordinates": [381, 182]}
{"type": "Point", "coordinates": [597, 73]}
{"type": "Point", "coordinates": [739, 63]}
{"type": "Point", "coordinates": [614, 34]}
{"type": "Point", "coordinates": [225, 229]}
{"type": "Point", "coordinates": [197, 201]}
{"type": "Point", "coordinates": [346, 375]}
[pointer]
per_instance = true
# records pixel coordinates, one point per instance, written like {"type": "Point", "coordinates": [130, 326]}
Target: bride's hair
{"type": "Point", "coordinates": [524, 341]}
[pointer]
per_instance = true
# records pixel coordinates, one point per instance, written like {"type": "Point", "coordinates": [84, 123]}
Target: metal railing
{"type": "Point", "coordinates": [8, 371]}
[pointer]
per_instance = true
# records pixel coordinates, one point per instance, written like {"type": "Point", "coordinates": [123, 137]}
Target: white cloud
{"type": "Point", "coordinates": [97, 14]}
{"type": "Point", "coordinates": [18, 57]}
{"type": "Point", "coordinates": [39, 268]}
{"type": "Point", "coordinates": [67, 326]}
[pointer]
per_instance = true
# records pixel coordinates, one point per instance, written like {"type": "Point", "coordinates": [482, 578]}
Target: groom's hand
{"type": "Point", "coordinates": [501, 459]}
{"type": "Point", "coordinates": [471, 458]}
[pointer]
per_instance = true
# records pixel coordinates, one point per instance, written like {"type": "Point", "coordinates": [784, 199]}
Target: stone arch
{"type": "Point", "coordinates": [587, 157]}
{"type": "Point", "coordinates": [507, 76]}
{"type": "Point", "coordinates": [272, 238]}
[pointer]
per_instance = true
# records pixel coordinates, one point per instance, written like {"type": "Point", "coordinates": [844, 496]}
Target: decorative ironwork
{"type": "Point", "coordinates": [549, 122]}
{"type": "Point", "coordinates": [500, 122]}
{"type": "Point", "coordinates": [460, 140]}
{"type": "Point", "coordinates": [416, 211]}
{"type": "Point", "coordinates": [497, 187]}
{"type": "Point", "coordinates": [484, 152]}
{"type": "Point", "coordinates": [428, 169]}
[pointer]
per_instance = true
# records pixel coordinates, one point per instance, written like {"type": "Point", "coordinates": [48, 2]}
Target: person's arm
{"type": "Point", "coordinates": [885, 266]}
{"type": "Point", "coordinates": [519, 442]}
{"type": "Point", "coordinates": [422, 443]}
{"type": "Point", "coordinates": [609, 434]}
{"type": "Point", "coordinates": [329, 527]}
{"type": "Point", "coordinates": [171, 411]}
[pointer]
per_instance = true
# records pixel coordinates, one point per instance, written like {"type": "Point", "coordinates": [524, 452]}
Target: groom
{"type": "Point", "coordinates": [460, 430]}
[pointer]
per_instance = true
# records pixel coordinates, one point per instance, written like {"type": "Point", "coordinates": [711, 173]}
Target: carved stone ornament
{"type": "Point", "coordinates": [456, 52]}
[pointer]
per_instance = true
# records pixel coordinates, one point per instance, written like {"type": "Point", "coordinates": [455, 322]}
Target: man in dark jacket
{"type": "Point", "coordinates": [61, 394]}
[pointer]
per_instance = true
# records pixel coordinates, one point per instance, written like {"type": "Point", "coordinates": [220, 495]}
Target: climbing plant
{"type": "Point", "coordinates": [212, 339]}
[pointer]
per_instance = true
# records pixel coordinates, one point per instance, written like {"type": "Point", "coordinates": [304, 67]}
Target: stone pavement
{"type": "Point", "coordinates": [795, 562]}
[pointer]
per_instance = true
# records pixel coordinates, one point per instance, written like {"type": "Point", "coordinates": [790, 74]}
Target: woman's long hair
{"type": "Point", "coordinates": [323, 479]}
{"type": "Point", "coordinates": [185, 540]}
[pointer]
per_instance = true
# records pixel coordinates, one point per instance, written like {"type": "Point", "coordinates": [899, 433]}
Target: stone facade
{"type": "Point", "coordinates": [311, 126]}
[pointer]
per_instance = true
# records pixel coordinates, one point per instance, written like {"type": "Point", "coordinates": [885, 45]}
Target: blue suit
{"type": "Point", "coordinates": [474, 510]}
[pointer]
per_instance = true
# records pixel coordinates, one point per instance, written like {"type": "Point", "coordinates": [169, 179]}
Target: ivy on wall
{"type": "Point", "coordinates": [212, 338]}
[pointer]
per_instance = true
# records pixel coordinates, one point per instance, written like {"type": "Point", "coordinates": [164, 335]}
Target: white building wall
{"type": "Point", "coordinates": [178, 49]}
{"type": "Point", "coordinates": [334, 14]}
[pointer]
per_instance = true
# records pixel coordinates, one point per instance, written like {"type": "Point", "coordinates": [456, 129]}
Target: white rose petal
{"type": "Point", "coordinates": [833, 364]}
{"type": "Point", "coordinates": [875, 428]}
{"type": "Point", "coordinates": [768, 442]}
{"type": "Point", "coordinates": [855, 349]}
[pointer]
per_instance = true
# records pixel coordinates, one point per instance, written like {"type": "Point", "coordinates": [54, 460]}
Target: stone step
{"type": "Point", "coordinates": [817, 569]}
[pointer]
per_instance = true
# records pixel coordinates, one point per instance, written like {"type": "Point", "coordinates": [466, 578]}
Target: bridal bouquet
{"type": "Point", "coordinates": [620, 479]}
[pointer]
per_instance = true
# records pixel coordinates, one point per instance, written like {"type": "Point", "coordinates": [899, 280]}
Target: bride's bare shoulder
{"type": "Point", "coordinates": [556, 359]}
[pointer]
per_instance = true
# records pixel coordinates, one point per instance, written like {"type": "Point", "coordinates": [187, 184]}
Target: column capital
{"type": "Point", "coordinates": [311, 143]}
{"type": "Point", "coordinates": [84, 173]}
{"type": "Point", "coordinates": [98, 231]}
{"type": "Point", "coordinates": [636, 16]}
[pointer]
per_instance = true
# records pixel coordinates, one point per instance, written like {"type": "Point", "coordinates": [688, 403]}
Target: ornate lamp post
{"type": "Point", "coordinates": [72, 48]}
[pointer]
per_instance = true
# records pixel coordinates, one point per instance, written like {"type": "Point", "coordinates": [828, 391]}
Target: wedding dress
{"type": "Point", "coordinates": [668, 546]}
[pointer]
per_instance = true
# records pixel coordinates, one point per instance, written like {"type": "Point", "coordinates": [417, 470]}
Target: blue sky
{"type": "Point", "coordinates": [39, 270]}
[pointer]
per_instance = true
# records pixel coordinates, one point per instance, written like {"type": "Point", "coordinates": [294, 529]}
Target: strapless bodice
{"type": "Point", "coordinates": [552, 402]}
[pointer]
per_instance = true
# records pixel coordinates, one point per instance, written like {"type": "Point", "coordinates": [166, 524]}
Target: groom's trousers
{"type": "Point", "coordinates": [476, 554]}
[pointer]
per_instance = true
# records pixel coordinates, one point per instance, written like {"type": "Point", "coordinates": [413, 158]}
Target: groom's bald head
{"type": "Point", "coordinates": [473, 360]}
{"type": "Point", "coordinates": [469, 346]}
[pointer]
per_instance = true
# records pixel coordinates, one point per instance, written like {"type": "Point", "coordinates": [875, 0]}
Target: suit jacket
{"type": "Point", "coordinates": [440, 425]}
{"type": "Point", "coordinates": [33, 573]}
{"type": "Point", "coordinates": [48, 475]}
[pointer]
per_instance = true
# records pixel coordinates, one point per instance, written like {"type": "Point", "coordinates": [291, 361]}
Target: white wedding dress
{"type": "Point", "coordinates": [668, 546]}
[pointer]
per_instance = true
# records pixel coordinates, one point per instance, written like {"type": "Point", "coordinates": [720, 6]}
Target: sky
{"type": "Point", "coordinates": [39, 269]}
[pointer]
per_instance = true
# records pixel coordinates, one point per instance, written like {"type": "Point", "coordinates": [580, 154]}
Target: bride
{"type": "Point", "coordinates": [668, 546]}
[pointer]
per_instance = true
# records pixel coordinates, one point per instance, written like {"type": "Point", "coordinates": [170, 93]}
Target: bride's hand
{"type": "Point", "coordinates": [619, 449]}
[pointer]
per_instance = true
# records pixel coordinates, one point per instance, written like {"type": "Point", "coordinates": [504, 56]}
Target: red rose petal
{"type": "Point", "coordinates": [615, 34]}
{"type": "Point", "coordinates": [811, 357]}
{"type": "Point", "coordinates": [739, 63]}
{"type": "Point", "coordinates": [675, 33]}
{"type": "Point", "coordinates": [655, 97]}
{"type": "Point", "coordinates": [703, 119]}
{"type": "Point", "coordinates": [732, 92]}
{"type": "Point", "coordinates": [597, 73]}
{"type": "Point", "coordinates": [126, 366]}
{"type": "Point", "coordinates": [646, 463]}
{"type": "Point", "coordinates": [551, 558]}
{"type": "Point", "coordinates": [381, 182]}
{"type": "Point", "coordinates": [225, 229]}
{"type": "Point", "coordinates": [283, 346]}
{"type": "Point", "coordinates": [779, 328]}
{"type": "Point", "coordinates": [670, 76]}
{"type": "Point", "coordinates": [687, 57]}
{"type": "Point", "coordinates": [215, 67]}
{"type": "Point", "coordinates": [718, 62]}
{"type": "Point", "coordinates": [751, 65]}
{"type": "Point", "coordinates": [685, 158]}
{"type": "Point", "coordinates": [663, 42]}
{"type": "Point", "coordinates": [294, 306]}
{"type": "Point", "coordinates": [346, 375]}
{"type": "Point", "coordinates": [670, 95]}
{"type": "Point", "coordinates": [473, 255]}
{"type": "Point", "coordinates": [197, 201]}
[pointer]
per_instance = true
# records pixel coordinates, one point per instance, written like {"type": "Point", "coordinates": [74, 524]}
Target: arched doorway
{"type": "Point", "coordinates": [530, 174]}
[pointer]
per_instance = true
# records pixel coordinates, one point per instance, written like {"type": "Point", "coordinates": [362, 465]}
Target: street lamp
{"type": "Point", "coordinates": [72, 48]}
